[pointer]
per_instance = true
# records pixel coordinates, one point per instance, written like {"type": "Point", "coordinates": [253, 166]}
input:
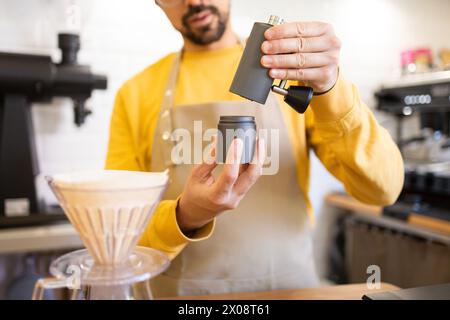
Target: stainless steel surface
{"type": "Point", "coordinates": [282, 83]}
{"type": "Point", "coordinates": [274, 20]}
{"type": "Point", "coordinates": [432, 167]}
{"type": "Point", "coordinates": [418, 80]}
{"type": "Point", "coordinates": [279, 90]}
{"type": "Point", "coordinates": [400, 226]}
{"type": "Point", "coordinates": [42, 238]}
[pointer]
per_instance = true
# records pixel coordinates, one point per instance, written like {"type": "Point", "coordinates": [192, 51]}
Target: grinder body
{"type": "Point", "coordinates": [252, 80]}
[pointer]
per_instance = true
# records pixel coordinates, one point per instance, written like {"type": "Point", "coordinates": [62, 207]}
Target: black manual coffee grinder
{"type": "Point", "coordinates": [26, 79]}
{"type": "Point", "coordinates": [252, 81]}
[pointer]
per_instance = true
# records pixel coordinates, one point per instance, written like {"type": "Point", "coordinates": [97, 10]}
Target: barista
{"type": "Point", "coordinates": [239, 230]}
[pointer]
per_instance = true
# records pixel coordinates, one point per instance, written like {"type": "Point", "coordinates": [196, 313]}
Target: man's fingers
{"type": "Point", "coordinates": [298, 60]}
{"type": "Point", "coordinates": [243, 167]}
{"type": "Point", "coordinates": [298, 29]}
{"type": "Point", "coordinates": [230, 170]}
{"type": "Point", "coordinates": [260, 153]}
{"type": "Point", "coordinates": [203, 170]}
{"type": "Point", "coordinates": [254, 170]}
{"type": "Point", "coordinates": [311, 74]}
{"type": "Point", "coordinates": [209, 156]}
{"type": "Point", "coordinates": [301, 45]}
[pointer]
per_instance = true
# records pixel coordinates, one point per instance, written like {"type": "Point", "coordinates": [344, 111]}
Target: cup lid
{"type": "Point", "coordinates": [236, 119]}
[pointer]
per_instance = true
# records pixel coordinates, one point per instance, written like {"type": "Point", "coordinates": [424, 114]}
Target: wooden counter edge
{"type": "Point", "coordinates": [339, 292]}
{"type": "Point", "coordinates": [346, 202]}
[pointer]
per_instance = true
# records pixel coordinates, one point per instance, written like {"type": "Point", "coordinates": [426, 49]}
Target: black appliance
{"type": "Point", "coordinates": [26, 79]}
{"type": "Point", "coordinates": [427, 183]}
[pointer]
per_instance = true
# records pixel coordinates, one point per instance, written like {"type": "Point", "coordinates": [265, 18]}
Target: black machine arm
{"type": "Point", "coordinates": [26, 79]}
{"type": "Point", "coordinates": [39, 79]}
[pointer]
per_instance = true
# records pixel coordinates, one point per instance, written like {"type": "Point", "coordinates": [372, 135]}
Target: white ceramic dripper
{"type": "Point", "coordinates": [109, 209]}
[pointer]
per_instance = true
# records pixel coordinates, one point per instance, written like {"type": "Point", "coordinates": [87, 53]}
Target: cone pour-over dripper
{"type": "Point", "coordinates": [110, 210]}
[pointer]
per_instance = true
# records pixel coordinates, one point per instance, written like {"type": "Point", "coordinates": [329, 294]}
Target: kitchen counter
{"type": "Point", "coordinates": [369, 237]}
{"type": "Point", "coordinates": [419, 224]}
{"type": "Point", "coordinates": [41, 238]}
{"type": "Point", "coordinates": [340, 292]}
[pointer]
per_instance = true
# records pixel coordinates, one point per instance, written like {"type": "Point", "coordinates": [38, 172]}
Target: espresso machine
{"type": "Point", "coordinates": [426, 155]}
{"type": "Point", "coordinates": [26, 79]}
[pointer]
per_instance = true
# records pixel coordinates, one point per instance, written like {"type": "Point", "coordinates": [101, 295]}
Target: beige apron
{"type": "Point", "coordinates": [264, 244]}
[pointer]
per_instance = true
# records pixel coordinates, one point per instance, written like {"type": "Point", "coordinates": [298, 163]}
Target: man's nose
{"type": "Point", "coordinates": [194, 2]}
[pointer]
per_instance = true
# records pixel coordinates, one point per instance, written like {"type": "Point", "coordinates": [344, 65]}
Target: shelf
{"type": "Point", "coordinates": [418, 224]}
{"type": "Point", "coordinates": [421, 79]}
{"type": "Point", "coordinates": [41, 238]}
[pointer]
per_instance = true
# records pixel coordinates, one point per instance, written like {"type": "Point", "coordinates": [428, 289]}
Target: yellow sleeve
{"type": "Point", "coordinates": [350, 143]}
{"type": "Point", "coordinates": [162, 232]}
{"type": "Point", "coordinates": [122, 153]}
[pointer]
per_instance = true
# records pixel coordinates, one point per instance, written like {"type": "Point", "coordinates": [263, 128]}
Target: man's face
{"type": "Point", "coordinates": [202, 22]}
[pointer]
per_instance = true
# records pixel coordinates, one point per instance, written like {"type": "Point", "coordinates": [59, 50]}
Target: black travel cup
{"type": "Point", "coordinates": [231, 127]}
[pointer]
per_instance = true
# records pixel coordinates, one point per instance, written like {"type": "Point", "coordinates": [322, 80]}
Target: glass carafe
{"type": "Point", "coordinates": [86, 280]}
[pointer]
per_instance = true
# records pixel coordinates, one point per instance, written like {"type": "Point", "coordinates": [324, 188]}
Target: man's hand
{"type": "Point", "coordinates": [204, 197]}
{"type": "Point", "coordinates": [303, 51]}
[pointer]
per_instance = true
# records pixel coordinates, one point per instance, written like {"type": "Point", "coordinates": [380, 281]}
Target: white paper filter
{"type": "Point", "coordinates": [109, 209]}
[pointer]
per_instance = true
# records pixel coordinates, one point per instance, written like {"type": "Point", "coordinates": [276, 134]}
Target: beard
{"type": "Point", "coordinates": [207, 34]}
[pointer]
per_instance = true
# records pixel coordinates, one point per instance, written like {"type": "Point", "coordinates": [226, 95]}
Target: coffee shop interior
{"type": "Point", "coordinates": [397, 53]}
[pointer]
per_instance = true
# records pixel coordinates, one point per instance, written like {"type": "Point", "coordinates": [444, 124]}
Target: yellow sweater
{"type": "Point", "coordinates": [338, 126]}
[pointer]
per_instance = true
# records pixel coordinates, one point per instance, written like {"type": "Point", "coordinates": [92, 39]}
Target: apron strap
{"type": "Point", "coordinates": [165, 127]}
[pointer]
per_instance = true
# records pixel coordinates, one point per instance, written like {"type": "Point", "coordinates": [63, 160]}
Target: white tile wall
{"type": "Point", "coordinates": [121, 37]}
